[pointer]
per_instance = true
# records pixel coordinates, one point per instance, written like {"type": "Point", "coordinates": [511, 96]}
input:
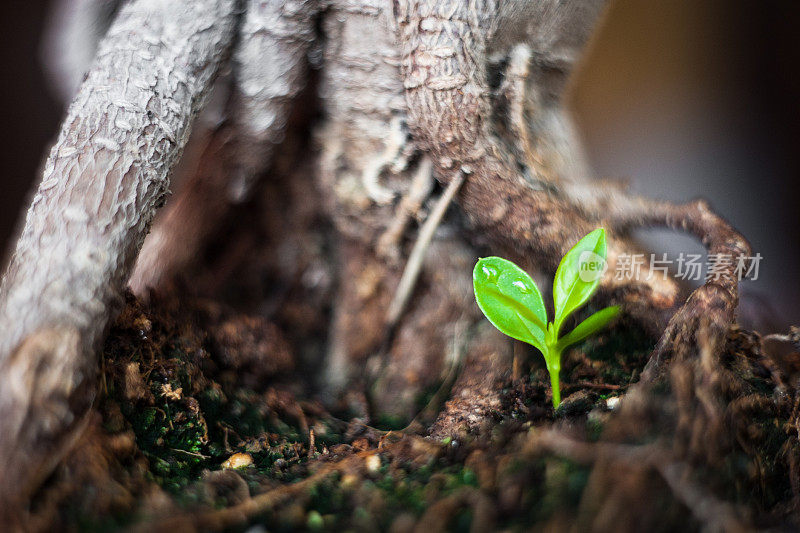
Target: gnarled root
{"type": "Point", "coordinates": [707, 415]}
{"type": "Point", "coordinates": [104, 178]}
{"type": "Point", "coordinates": [268, 71]}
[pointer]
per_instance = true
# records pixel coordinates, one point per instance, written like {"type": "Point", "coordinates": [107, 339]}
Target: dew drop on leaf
{"type": "Point", "coordinates": [491, 273]}
{"type": "Point", "coordinates": [522, 286]}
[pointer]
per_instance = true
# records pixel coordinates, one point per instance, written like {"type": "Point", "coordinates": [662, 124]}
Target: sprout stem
{"type": "Point", "coordinates": [556, 388]}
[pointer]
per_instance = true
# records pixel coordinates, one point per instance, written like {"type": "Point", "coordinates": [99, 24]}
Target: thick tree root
{"type": "Point", "coordinates": [268, 72]}
{"type": "Point", "coordinates": [104, 178]}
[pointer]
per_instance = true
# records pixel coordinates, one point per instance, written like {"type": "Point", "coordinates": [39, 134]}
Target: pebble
{"type": "Point", "coordinates": [238, 460]}
{"type": "Point", "coordinates": [373, 463]}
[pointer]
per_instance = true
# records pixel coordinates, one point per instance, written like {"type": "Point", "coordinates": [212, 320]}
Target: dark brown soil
{"type": "Point", "coordinates": [187, 384]}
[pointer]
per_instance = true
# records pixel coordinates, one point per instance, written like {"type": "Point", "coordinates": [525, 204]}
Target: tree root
{"type": "Point", "coordinates": [104, 178]}
{"type": "Point", "coordinates": [268, 72]}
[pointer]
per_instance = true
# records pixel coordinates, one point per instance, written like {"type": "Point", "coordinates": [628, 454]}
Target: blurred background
{"type": "Point", "coordinates": [678, 97]}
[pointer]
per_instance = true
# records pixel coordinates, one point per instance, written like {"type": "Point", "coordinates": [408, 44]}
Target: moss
{"type": "Point", "coordinates": [174, 443]}
{"type": "Point", "coordinates": [315, 521]}
{"type": "Point", "coordinates": [388, 422]}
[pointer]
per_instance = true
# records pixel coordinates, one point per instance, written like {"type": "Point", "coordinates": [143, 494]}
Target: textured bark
{"type": "Point", "coordinates": [543, 210]}
{"type": "Point", "coordinates": [104, 179]}
{"type": "Point", "coordinates": [365, 145]}
{"type": "Point", "coordinates": [268, 71]}
{"type": "Point", "coordinates": [269, 66]}
{"type": "Point", "coordinates": [73, 31]}
{"type": "Point", "coordinates": [376, 184]}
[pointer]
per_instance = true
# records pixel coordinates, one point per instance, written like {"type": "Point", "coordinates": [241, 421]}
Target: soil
{"type": "Point", "coordinates": [187, 384]}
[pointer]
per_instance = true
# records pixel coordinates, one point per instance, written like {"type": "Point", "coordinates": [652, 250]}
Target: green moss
{"type": "Point", "coordinates": [174, 442]}
{"type": "Point", "coordinates": [388, 422]}
{"type": "Point", "coordinates": [315, 521]}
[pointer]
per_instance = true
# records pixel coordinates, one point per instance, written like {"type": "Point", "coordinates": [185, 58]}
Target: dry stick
{"type": "Point", "coordinates": [413, 267]}
{"type": "Point", "coordinates": [103, 180]}
{"type": "Point", "coordinates": [417, 256]}
{"type": "Point", "coordinates": [420, 189]}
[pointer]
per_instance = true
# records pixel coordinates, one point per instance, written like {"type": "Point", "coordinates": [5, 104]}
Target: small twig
{"type": "Point", "coordinates": [412, 269]}
{"type": "Point", "coordinates": [420, 189]}
{"type": "Point", "coordinates": [193, 454]}
{"type": "Point", "coordinates": [590, 385]}
{"type": "Point", "coordinates": [414, 264]}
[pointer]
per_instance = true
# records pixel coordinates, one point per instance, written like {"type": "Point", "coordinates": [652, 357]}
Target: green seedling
{"type": "Point", "coordinates": [509, 298]}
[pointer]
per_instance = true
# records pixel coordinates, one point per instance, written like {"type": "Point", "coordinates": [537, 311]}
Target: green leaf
{"type": "Point", "coordinates": [510, 300]}
{"type": "Point", "coordinates": [579, 275]}
{"type": "Point", "coordinates": [590, 326]}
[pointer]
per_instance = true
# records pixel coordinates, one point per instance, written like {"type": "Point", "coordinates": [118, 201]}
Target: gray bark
{"type": "Point", "coordinates": [269, 66]}
{"type": "Point", "coordinates": [104, 178]}
{"type": "Point", "coordinates": [74, 28]}
{"type": "Point", "coordinates": [268, 69]}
